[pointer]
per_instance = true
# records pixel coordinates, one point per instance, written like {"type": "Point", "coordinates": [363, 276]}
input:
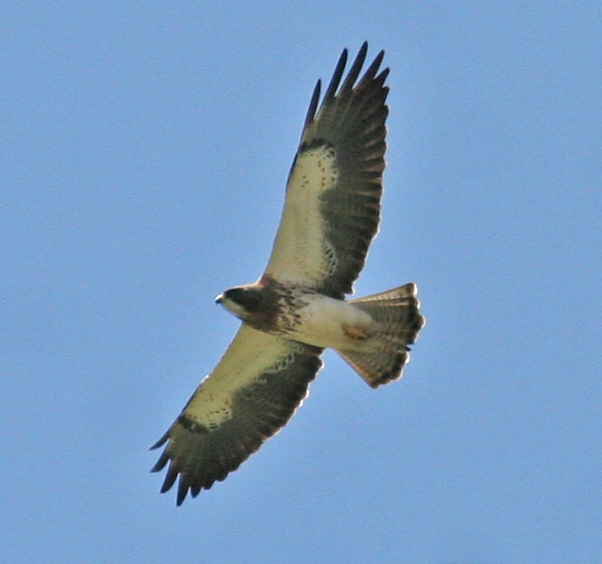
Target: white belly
{"type": "Point", "coordinates": [326, 322]}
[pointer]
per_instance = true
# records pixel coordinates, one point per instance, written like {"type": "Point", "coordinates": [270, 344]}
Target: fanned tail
{"type": "Point", "coordinates": [387, 349]}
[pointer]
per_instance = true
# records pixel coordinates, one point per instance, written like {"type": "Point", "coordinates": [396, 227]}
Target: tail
{"type": "Point", "coordinates": [399, 321]}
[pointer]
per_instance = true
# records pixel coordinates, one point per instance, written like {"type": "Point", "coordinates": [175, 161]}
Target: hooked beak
{"type": "Point", "coordinates": [219, 299]}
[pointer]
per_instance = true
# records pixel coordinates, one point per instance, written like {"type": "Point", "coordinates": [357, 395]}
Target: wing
{"type": "Point", "coordinates": [332, 206]}
{"type": "Point", "coordinates": [251, 394]}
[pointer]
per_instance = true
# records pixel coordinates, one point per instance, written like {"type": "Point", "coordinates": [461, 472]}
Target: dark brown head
{"type": "Point", "coordinates": [255, 304]}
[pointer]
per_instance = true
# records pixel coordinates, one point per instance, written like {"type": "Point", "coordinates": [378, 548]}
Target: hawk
{"type": "Point", "coordinates": [297, 308]}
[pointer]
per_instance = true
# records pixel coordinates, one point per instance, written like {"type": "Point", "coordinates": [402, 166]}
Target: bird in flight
{"type": "Point", "coordinates": [297, 308]}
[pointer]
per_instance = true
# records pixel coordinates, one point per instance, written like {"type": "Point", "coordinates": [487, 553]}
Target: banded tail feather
{"type": "Point", "coordinates": [386, 352]}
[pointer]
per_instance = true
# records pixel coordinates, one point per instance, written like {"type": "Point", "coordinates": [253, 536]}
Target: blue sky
{"type": "Point", "coordinates": [144, 149]}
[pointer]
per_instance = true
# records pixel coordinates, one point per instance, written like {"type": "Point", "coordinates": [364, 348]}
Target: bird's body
{"type": "Point", "coordinates": [298, 306]}
{"type": "Point", "coordinates": [300, 314]}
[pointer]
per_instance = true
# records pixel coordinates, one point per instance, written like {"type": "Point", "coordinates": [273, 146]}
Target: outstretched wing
{"type": "Point", "coordinates": [332, 206]}
{"type": "Point", "coordinates": [251, 394]}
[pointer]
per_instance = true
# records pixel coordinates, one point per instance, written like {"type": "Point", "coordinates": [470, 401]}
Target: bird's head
{"type": "Point", "coordinates": [243, 301]}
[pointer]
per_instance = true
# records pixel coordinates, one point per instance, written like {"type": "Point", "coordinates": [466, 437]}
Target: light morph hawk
{"type": "Point", "coordinates": [298, 308]}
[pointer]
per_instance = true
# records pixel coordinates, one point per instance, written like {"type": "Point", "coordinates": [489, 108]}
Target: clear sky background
{"type": "Point", "coordinates": [144, 148]}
